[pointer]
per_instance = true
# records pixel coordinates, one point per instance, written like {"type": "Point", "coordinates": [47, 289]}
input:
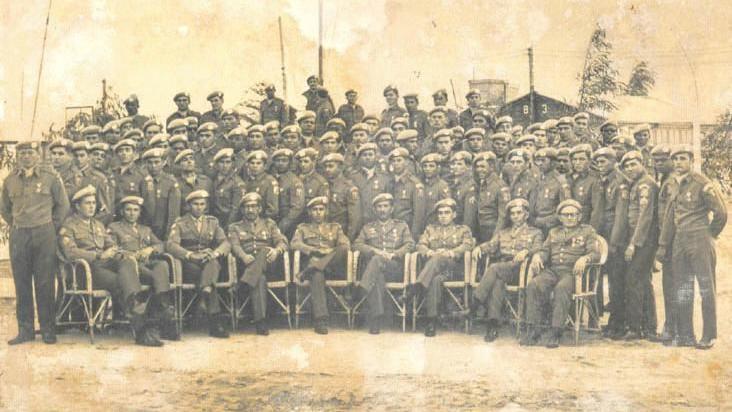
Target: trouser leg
{"type": "Point", "coordinates": [259, 299]}
{"type": "Point", "coordinates": [155, 273]}
{"type": "Point", "coordinates": [684, 287]}
{"type": "Point", "coordinates": [638, 286]}
{"type": "Point", "coordinates": [562, 300]}
{"type": "Point", "coordinates": [318, 300]}
{"type": "Point", "coordinates": [705, 259]}
{"type": "Point", "coordinates": [433, 296]}
{"type": "Point", "coordinates": [44, 266]}
{"type": "Point", "coordinates": [433, 267]}
{"type": "Point", "coordinates": [616, 272]}
{"type": "Point", "coordinates": [21, 257]}
{"type": "Point", "coordinates": [537, 295]}
{"type": "Point", "coordinates": [669, 323]}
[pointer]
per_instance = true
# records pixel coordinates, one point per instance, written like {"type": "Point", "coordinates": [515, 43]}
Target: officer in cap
{"type": "Point", "coordinates": [344, 203]}
{"type": "Point", "coordinates": [86, 175]}
{"type": "Point", "coordinates": [209, 146]}
{"type": "Point", "coordinates": [292, 192]}
{"type": "Point", "coordinates": [258, 245]}
{"type": "Point", "coordinates": [256, 179]}
{"type": "Point", "coordinates": [306, 121]}
{"type": "Point", "coordinates": [384, 139]}
{"type": "Point", "coordinates": [188, 177]}
{"type": "Point", "coordinates": [550, 190]}
{"type": "Point", "coordinates": [582, 130]}
{"type": "Point", "coordinates": [351, 112]}
{"type": "Point", "coordinates": [311, 94]}
{"type": "Point", "coordinates": [34, 203]}
{"type": "Point", "coordinates": [216, 99]}
{"type": "Point", "coordinates": [565, 133]}
{"type": "Point", "coordinates": [474, 142]}
{"type": "Point", "coordinates": [417, 118]}
{"type": "Point", "coordinates": [182, 101]}
{"type": "Point", "coordinates": [408, 191]}
{"type": "Point", "coordinates": [110, 132]}
{"type": "Point", "coordinates": [464, 190]}
{"type": "Point", "coordinates": [521, 177]}
{"type": "Point", "coordinates": [383, 243]}
{"type": "Point", "coordinates": [314, 184]}
{"type": "Point", "coordinates": [291, 138]}
{"type": "Point", "coordinates": [198, 241]}
{"type": "Point", "coordinates": [161, 195]}
{"type": "Point", "coordinates": [435, 188]}
{"type": "Point", "coordinates": [62, 162]}
{"type": "Point", "coordinates": [393, 110]}
{"type": "Point", "coordinates": [99, 160]}
{"type": "Point", "coordinates": [550, 128]}
{"type": "Point", "coordinates": [127, 176]}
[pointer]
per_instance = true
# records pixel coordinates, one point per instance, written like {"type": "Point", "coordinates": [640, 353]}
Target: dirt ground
{"type": "Point", "coordinates": [345, 370]}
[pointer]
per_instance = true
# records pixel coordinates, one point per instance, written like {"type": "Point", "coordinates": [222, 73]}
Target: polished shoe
{"type": "Point", "coordinates": [262, 329]}
{"type": "Point", "coordinates": [216, 330]}
{"type": "Point", "coordinates": [666, 337]}
{"type": "Point", "coordinates": [617, 334]}
{"type": "Point", "coordinates": [49, 338]}
{"type": "Point", "coordinates": [374, 330]}
{"type": "Point", "coordinates": [552, 337]}
{"type": "Point", "coordinates": [633, 335]}
{"type": "Point", "coordinates": [145, 337]}
{"type": "Point", "coordinates": [491, 334]}
{"type": "Point", "coordinates": [431, 329]}
{"type": "Point", "coordinates": [684, 342]}
{"type": "Point", "coordinates": [22, 338]}
{"type": "Point", "coordinates": [321, 328]}
{"type": "Point", "coordinates": [706, 343]}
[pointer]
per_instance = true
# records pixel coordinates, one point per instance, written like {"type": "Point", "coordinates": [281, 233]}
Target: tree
{"type": "Point", "coordinates": [599, 78]}
{"type": "Point", "coordinates": [642, 79]}
{"type": "Point", "coordinates": [716, 152]}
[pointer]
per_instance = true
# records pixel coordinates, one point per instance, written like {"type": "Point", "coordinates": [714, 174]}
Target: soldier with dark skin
{"type": "Point", "coordinates": [189, 180]}
{"type": "Point", "coordinates": [257, 244]}
{"type": "Point", "coordinates": [383, 243]}
{"type": "Point", "coordinates": [551, 189]}
{"type": "Point", "coordinates": [138, 242]}
{"type": "Point", "coordinates": [689, 233]}
{"type": "Point", "coordinates": [256, 179]}
{"type": "Point", "coordinates": [505, 252]}
{"type": "Point", "coordinates": [198, 241]}
{"type": "Point", "coordinates": [369, 178]}
{"type": "Point", "coordinates": [499, 141]}
{"type": "Point", "coordinates": [608, 131]}
{"type": "Point", "coordinates": [182, 101]}
{"type": "Point", "coordinates": [132, 105]}
{"type": "Point", "coordinates": [84, 237]}
{"type": "Point", "coordinates": [565, 254]}
{"type": "Point", "coordinates": [393, 110]}
{"type": "Point", "coordinates": [272, 107]}
{"type": "Point", "coordinates": [417, 118]}
{"type": "Point", "coordinates": [306, 121]}
{"type": "Point", "coordinates": [408, 192]}
{"type": "Point", "coordinates": [344, 200]}
{"type": "Point", "coordinates": [34, 203]}
{"type": "Point", "coordinates": [161, 195]}
{"type": "Point", "coordinates": [435, 188]}
{"type": "Point", "coordinates": [292, 191]}
{"type": "Point", "coordinates": [311, 94]}
{"type": "Point", "coordinates": [492, 196]}
{"type": "Point", "coordinates": [586, 188]}
{"type": "Point", "coordinates": [326, 248]}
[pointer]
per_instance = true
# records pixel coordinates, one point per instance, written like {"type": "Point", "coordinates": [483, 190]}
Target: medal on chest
{"type": "Point", "coordinates": [38, 187]}
{"type": "Point", "coordinates": [688, 196]}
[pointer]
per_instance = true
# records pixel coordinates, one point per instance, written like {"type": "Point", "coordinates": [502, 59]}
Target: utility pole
{"type": "Point", "coordinates": [40, 70]}
{"type": "Point", "coordinates": [320, 40]}
{"type": "Point", "coordinates": [532, 116]}
{"type": "Point", "coordinates": [282, 59]}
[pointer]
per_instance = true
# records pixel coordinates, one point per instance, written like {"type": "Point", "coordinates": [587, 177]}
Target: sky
{"type": "Point", "coordinates": [156, 49]}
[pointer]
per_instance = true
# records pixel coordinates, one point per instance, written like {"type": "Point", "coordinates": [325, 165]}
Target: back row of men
{"type": "Point", "coordinates": [627, 192]}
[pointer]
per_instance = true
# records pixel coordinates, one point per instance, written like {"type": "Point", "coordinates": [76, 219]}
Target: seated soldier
{"type": "Point", "coordinates": [198, 241]}
{"type": "Point", "coordinates": [256, 242]}
{"type": "Point", "coordinates": [508, 248]}
{"type": "Point", "coordinates": [566, 252]}
{"type": "Point", "coordinates": [443, 244]}
{"type": "Point", "coordinates": [138, 242]}
{"type": "Point", "coordinates": [327, 247]}
{"type": "Point", "coordinates": [383, 244]}
{"type": "Point", "coordinates": [84, 237]}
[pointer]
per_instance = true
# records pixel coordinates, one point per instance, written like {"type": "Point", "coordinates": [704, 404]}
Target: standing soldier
{"type": "Point", "coordinates": [216, 99]}
{"type": "Point", "coordinates": [189, 180]}
{"type": "Point", "coordinates": [439, 98]}
{"type": "Point", "coordinates": [227, 188]}
{"type": "Point", "coordinates": [351, 112]}
{"type": "Point", "coordinates": [466, 116]}
{"type": "Point", "coordinates": [291, 138]}
{"type": "Point", "coordinates": [504, 124]}
{"type": "Point", "coordinates": [34, 204]}
{"type": "Point", "coordinates": [255, 138]}
{"type": "Point", "coordinates": [291, 191]}
{"type": "Point", "coordinates": [314, 184]}
{"type": "Point", "coordinates": [608, 130]}
{"type": "Point", "coordinates": [435, 188]}
{"type": "Point", "coordinates": [306, 121]}
{"type": "Point", "coordinates": [160, 193]}
{"type": "Point", "coordinates": [256, 179]}
{"type": "Point", "coordinates": [689, 233]}
{"type": "Point", "coordinates": [86, 175]}
{"type": "Point", "coordinates": [182, 100]}
{"type": "Point", "coordinates": [550, 127]}
{"type": "Point", "coordinates": [642, 137]}
{"type": "Point", "coordinates": [565, 133]}
{"type": "Point", "coordinates": [100, 162]}
{"type": "Point", "coordinates": [238, 138]}
{"type": "Point", "coordinates": [522, 180]}
{"type": "Point", "coordinates": [551, 189]}
{"type": "Point", "coordinates": [408, 139]}
{"type": "Point", "coordinates": [272, 108]}
{"type": "Point", "coordinates": [208, 148]}
{"type": "Point", "coordinates": [383, 243]}
{"type": "Point", "coordinates": [132, 105]}
{"type": "Point", "coordinates": [408, 192]}
{"type": "Point", "coordinates": [499, 141]}
{"type": "Point", "coordinates": [326, 248]}
{"type": "Point", "coordinates": [582, 130]}
{"type": "Point", "coordinates": [324, 112]}
{"type": "Point", "coordinates": [62, 162]}
{"type": "Point", "coordinates": [492, 194]}
{"type": "Point", "coordinates": [198, 241]}
{"type": "Point", "coordinates": [150, 129]}
{"type": "Point", "coordinates": [344, 203]}
{"type": "Point", "coordinates": [463, 190]}
{"type": "Point", "coordinates": [586, 188]}
{"type": "Point", "coordinates": [311, 94]}
{"type": "Point", "coordinates": [417, 118]}
{"type": "Point", "coordinates": [126, 177]}
{"type": "Point", "coordinates": [257, 244]}
{"type": "Point", "coordinates": [393, 110]}
{"type": "Point", "coordinates": [369, 178]}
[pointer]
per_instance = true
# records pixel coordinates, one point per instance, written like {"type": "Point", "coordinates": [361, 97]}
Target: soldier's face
{"type": "Point", "coordinates": [551, 135]}
{"type": "Point", "coordinates": [541, 141]}
{"type": "Point", "coordinates": [313, 83]}
{"type": "Point", "coordinates": [439, 99]}
{"type": "Point", "coordinates": [367, 159]}
{"type": "Point", "coordinates": [475, 142]}
{"type": "Point", "coordinates": [99, 159]}
{"type": "Point", "coordinates": [273, 134]}
{"type": "Point", "coordinates": [151, 131]}
{"type": "Point", "coordinates": [87, 206]}
{"type": "Point", "coordinates": [373, 125]}
{"type": "Point", "coordinates": [383, 210]}
{"type": "Point", "coordinates": [223, 165]}
{"type": "Point", "coordinates": [474, 100]}
{"type": "Point", "coordinates": [187, 164]}
{"type": "Point", "coordinates": [412, 145]}
{"type": "Point", "coordinates": [682, 163]}
{"type": "Point", "coordinates": [398, 164]}
{"type": "Point", "coordinates": [281, 164]}
{"type": "Point", "coordinates": [359, 137]}
{"type": "Point", "coordinates": [270, 93]}
{"type": "Point", "coordinates": [154, 165]}
{"type": "Point", "coordinates": [642, 138]}
{"type": "Point", "coordinates": [458, 167]}
{"type": "Point", "coordinates": [438, 120]}
{"type": "Point", "coordinates": [305, 164]}
{"type": "Point", "coordinates": [604, 165]}
{"type": "Point", "coordinates": [580, 124]}
{"type": "Point", "coordinates": [256, 140]}
{"type": "Point", "coordinates": [27, 158]}
{"type": "Point", "coordinates": [238, 141]}
{"type": "Point", "coordinates": [608, 132]}
{"type": "Point", "coordinates": [255, 166]}
{"type": "Point", "coordinates": [317, 213]}
{"type": "Point", "coordinates": [291, 141]}
{"type": "Point", "coordinates": [580, 162]}
{"type": "Point", "coordinates": [206, 137]}
{"type": "Point", "coordinates": [543, 163]}
{"type": "Point", "coordinates": [528, 146]}
{"type": "Point", "coordinates": [307, 125]}
{"type": "Point", "coordinates": [569, 216]}
{"type": "Point", "coordinates": [482, 169]}
{"type": "Point", "coordinates": [352, 98]}
{"type": "Point", "coordinates": [229, 122]}
{"type": "Point", "coordinates": [216, 102]}
{"type": "Point", "coordinates": [331, 169]}
{"type": "Point", "coordinates": [518, 215]}
{"type": "Point", "coordinates": [125, 128]}
{"type": "Point", "coordinates": [385, 143]}
{"type": "Point", "coordinates": [126, 155]}
{"type": "Point", "coordinates": [131, 212]}
{"type": "Point", "coordinates": [179, 131]}
{"type": "Point", "coordinates": [391, 98]}
{"type": "Point", "coordinates": [178, 147]}
{"type": "Point", "coordinates": [563, 164]}
{"type": "Point", "coordinates": [500, 146]}
{"type": "Point", "coordinates": [411, 103]}
{"type": "Point", "coordinates": [329, 145]}
{"type": "Point", "coordinates": [662, 164]}
{"type": "Point", "coordinates": [479, 121]}
{"type": "Point", "coordinates": [132, 107]}
{"type": "Point", "coordinates": [564, 131]}
{"type": "Point", "coordinates": [82, 158]}
{"type": "Point", "coordinates": [111, 136]}
{"type": "Point", "coordinates": [518, 164]}
{"type": "Point", "coordinates": [182, 103]}
{"type": "Point", "coordinates": [59, 156]}
{"type": "Point", "coordinates": [429, 169]}
{"type": "Point", "coordinates": [445, 215]}
{"type": "Point", "coordinates": [539, 133]}
{"type": "Point", "coordinates": [504, 127]}
{"type": "Point", "coordinates": [251, 210]}
{"type": "Point", "coordinates": [444, 145]}
{"type": "Point", "coordinates": [633, 168]}
{"type": "Point", "coordinates": [198, 207]}
{"type": "Point", "coordinates": [92, 138]}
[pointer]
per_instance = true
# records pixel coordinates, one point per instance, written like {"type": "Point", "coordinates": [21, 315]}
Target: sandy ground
{"type": "Point", "coordinates": [298, 370]}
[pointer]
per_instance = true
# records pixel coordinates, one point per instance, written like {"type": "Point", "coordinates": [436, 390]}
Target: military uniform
{"type": "Point", "coordinates": [669, 188]}
{"type": "Point", "coordinates": [418, 121]}
{"type": "Point", "coordinates": [182, 115]}
{"type": "Point", "coordinates": [493, 195]}
{"type": "Point", "coordinates": [213, 116]}
{"type": "Point", "coordinates": [267, 187]}
{"type": "Point", "coordinates": [351, 114]}
{"type": "Point", "coordinates": [226, 194]}
{"type": "Point", "coordinates": [370, 183]}
{"type": "Point", "coordinates": [435, 189]}
{"type": "Point", "coordinates": [189, 183]}
{"type": "Point", "coordinates": [126, 180]}
{"type": "Point", "coordinates": [105, 203]}
{"type": "Point", "coordinates": [314, 185]}
{"type": "Point", "coordinates": [34, 205]}
{"type": "Point", "coordinates": [523, 184]}
{"type": "Point", "coordinates": [344, 205]}
{"type": "Point", "coordinates": [463, 192]}
{"type": "Point", "coordinates": [551, 189]}
{"type": "Point", "coordinates": [409, 205]}
{"type": "Point", "coordinates": [616, 195]}
{"type": "Point", "coordinates": [273, 109]}
{"type": "Point", "coordinates": [291, 202]}
{"type": "Point", "coordinates": [586, 189]}
{"type": "Point", "coordinates": [161, 203]}
{"type": "Point", "coordinates": [204, 160]}
{"type": "Point", "coordinates": [391, 113]}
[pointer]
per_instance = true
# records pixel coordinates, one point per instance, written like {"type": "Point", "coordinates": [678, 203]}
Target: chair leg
{"type": "Point", "coordinates": [288, 309]}
{"type": "Point", "coordinates": [577, 320]}
{"type": "Point", "coordinates": [414, 314]}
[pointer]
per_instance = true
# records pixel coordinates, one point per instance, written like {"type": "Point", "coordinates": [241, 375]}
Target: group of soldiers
{"type": "Point", "coordinates": [324, 182]}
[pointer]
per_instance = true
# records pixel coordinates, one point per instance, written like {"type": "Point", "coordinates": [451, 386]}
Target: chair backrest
{"type": "Point", "coordinates": [602, 243]}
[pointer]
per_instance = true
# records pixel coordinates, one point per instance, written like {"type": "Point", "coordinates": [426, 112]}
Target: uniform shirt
{"type": "Point", "coordinates": [641, 219]}
{"type": "Point", "coordinates": [84, 238]}
{"type": "Point", "coordinates": [204, 160]}
{"type": "Point", "coordinates": [311, 97]}
{"type": "Point", "coordinates": [615, 188]}
{"type": "Point", "coordinates": [434, 189]}
{"type": "Point", "coordinates": [391, 236]}
{"type": "Point", "coordinates": [292, 201]}
{"type": "Point", "coordinates": [226, 195]}
{"type": "Point", "coordinates": [186, 237]}
{"type": "Point", "coordinates": [212, 116]}
{"type": "Point", "coordinates": [418, 121]}
{"type": "Point", "coordinates": [315, 185]}
{"type": "Point", "coordinates": [324, 112]}
{"type": "Point", "coordinates": [139, 120]}
{"type": "Point", "coordinates": [508, 242]}
{"type": "Point", "coordinates": [523, 184]}
{"type": "Point", "coordinates": [191, 183]}
{"type": "Point", "coordinates": [409, 204]}
{"type": "Point", "coordinates": [310, 237]}
{"type": "Point", "coordinates": [550, 190]}
{"type": "Point", "coordinates": [587, 190]}
{"type": "Point", "coordinates": [273, 109]}
{"type": "Point", "coordinates": [105, 202]}
{"type": "Point", "coordinates": [457, 239]}
{"type": "Point", "coordinates": [33, 200]}
{"type": "Point", "coordinates": [564, 246]}
{"type": "Point", "coordinates": [390, 113]}
{"type": "Point", "coordinates": [493, 195]}
{"type": "Point", "coordinates": [182, 115]}
{"type": "Point", "coordinates": [161, 205]}
{"type": "Point", "coordinates": [669, 188]}
{"type": "Point", "coordinates": [268, 189]}
{"type": "Point", "coordinates": [247, 237]}
{"type": "Point", "coordinates": [463, 192]}
{"type": "Point", "coordinates": [344, 205]}
{"type": "Point", "coordinates": [351, 114]}
{"type": "Point", "coordinates": [126, 180]}
{"type": "Point", "coordinates": [134, 237]}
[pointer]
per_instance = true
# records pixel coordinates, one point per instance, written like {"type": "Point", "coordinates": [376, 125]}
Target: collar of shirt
{"type": "Point", "coordinates": [369, 172]}
{"type": "Point", "coordinates": [27, 173]}
{"type": "Point", "coordinates": [680, 178]}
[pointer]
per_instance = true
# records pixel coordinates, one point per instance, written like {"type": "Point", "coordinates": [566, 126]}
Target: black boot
{"type": "Point", "coordinates": [168, 327]}
{"type": "Point", "coordinates": [262, 329]}
{"type": "Point", "coordinates": [375, 326]}
{"type": "Point", "coordinates": [215, 328]}
{"type": "Point", "coordinates": [431, 329]}
{"type": "Point", "coordinates": [552, 338]}
{"type": "Point", "coordinates": [408, 295]}
{"type": "Point", "coordinates": [468, 313]}
{"type": "Point", "coordinates": [491, 330]}
{"type": "Point", "coordinates": [23, 336]}
{"type": "Point", "coordinates": [531, 336]}
{"type": "Point", "coordinates": [49, 336]}
{"type": "Point", "coordinates": [321, 326]}
{"type": "Point", "coordinates": [145, 337]}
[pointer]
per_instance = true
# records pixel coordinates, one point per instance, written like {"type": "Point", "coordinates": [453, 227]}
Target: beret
{"type": "Point", "coordinates": [181, 94]}
{"type": "Point", "coordinates": [132, 133]}
{"type": "Point", "coordinates": [81, 145]}
{"type": "Point", "coordinates": [562, 152]}
{"type": "Point", "coordinates": [207, 127]}
{"type": "Point", "coordinates": [411, 94]}
{"type": "Point", "coordinates": [472, 92]}
{"type": "Point", "coordinates": [312, 77]}
{"type": "Point", "coordinates": [462, 155]}
{"type": "Point", "coordinates": [282, 152]}
{"type": "Point", "coordinates": [307, 114]}
{"type": "Point", "coordinates": [517, 152]}
{"type": "Point", "coordinates": [92, 129]}
{"type": "Point", "coordinates": [156, 152]}
{"type": "Point", "coordinates": [335, 121]}
{"type": "Point", "coordinates": [483, 113]}
{"type": "Point", "coordinates": [183, 153]}
{"type": "Point", "coordinates": [330, 135]}
{"type": "Point", "coordinates": [431, 157]}
{"type": "Point", "coordinates": [548, 152]}
{"type": "Point", "coordinates": [608, 123]}
{"type": "Point", "coordinates": [178, 138]}
{"type": "Point", "coordinates": [567, 203]}
{"type": "Point", "coordinates": [440, 109]}
{"type": "Point", "coordinates": [503, 119]}
{"type": "Point", "coordinates": [382, 197]}
{"type": "Point", "coordinates": [135, 200]}
{"type": "Point", "coordinates": [197, 194]}
{"type": "Point", "coordinates": [191, 120]}
{"type": "Point", "coordinates": [364, 147]}
{"type": "Point", "coordinates": [84, 192]}
{"type": "Point", "coordinates": [607, 152]}
{"type": "Point", "coordinates": [350, 91]}
{"type": "Point", "coordinates": [131, 98]}
{"type": "Point", "coordinates": [159, 138]}
{"type": "Point", "coordinates": [332, 157]}
{"type": "Point", "coordinates": [581, 115]}
{"type": "Point", "coordinates": [272, 124]}
{"type": "Point", "coordinates": [391, 88]}
{"type": "Point", "coordinates": [99, 146]}
{"type": "Point", "coordinates": [256, 128]}
{"type": "Point", "coordinates": [399, 152]}
{"type": "Point", "coordinates": [661, 150]}
{"type": "Point", "coordinates": [229, 112]}
{"type": "Point", "coordinates": [447, 202]}
{"type": "Point", "coordinates": [642, 128]}
{"type": "Point", "coordinates": [318, 200]}
{"type": "Point", "coordinates": [359, 126]}
{"type": "Point", "coordinates": [565, 120]}
{"type": "Point", "coordinates": [237, 131]}
{"type": "Point", "coordinates": [518, 129]}
{"type": "Point", "coordinates": [458, 129]}
{"type": "Point", "coordinates": [622, 139]}
{"type": "Point", "coordinates": [306, 152]}
{"type": "Point", "coordinates": [27, 145]}
{"type": "Point", "coordinates": [251, 197]}
{"type": "Point", "coordinates": [215, 94]}
{"type": "Point", "coordinates": [533, 127]}
{"type": "Point", "coordinates": [125, 120]}
{"type": "Point", "coordinates": [269, 86]}
{"type": "Point", "coordinates": [399, 120]}
{"type": "Point", "coordinates": [293, 128]}
{"type": "Point", "coordinates": [65, 143]}
{"type": "Point", "coordinates": [125, 143]}
{"type": "Point", "coordinates": [682, 148]}
{"type": "Point", "coordinates": [501, 136]}
{"type": "Point", "coordinates": [488, 156]}
{"type": "Point", "coordinates": [442, 133]}
{"type": "Point", "coordinates": [257, 154]}
{"type": "Point", "coordinates": [526, 138]}
{"type": "Point", "coordinates": [151, 122]}
{"type": "Point", "coordinates": [581, 148]}
{"type": "Point", "coordinates": [225, 152]}
{"type": "Point", "coordinates": [407, 134]}
{"type": "Point", "coordinates": [475, 130]}
{"type": "Point", "coordinates": [549, 124]}
{"type": "Point", "coordinates": [111, 125]}
{"type": "Point", "coordinates": [520, 202]}
{"type": "Point", "coordinates": [176, 123]}
{"type": "Point", "coordinates": [384, 130]}
{"type": "Point", "coordinates": [370, 117]}
{"type": "Point", "coordinates": [631, 155]}
{"type": "Point", "coordinates": [440, 92]}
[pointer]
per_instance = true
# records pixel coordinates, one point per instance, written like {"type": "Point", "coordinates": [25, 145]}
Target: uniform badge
{"type": "Point", "coordinates": [578, 241]}
{"type": "Point", "coordinates": [546, 193]}
{"type": "Point", "coordinates": [688, 196]}
{"type": "Point", "coordinates": [38, 188]}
